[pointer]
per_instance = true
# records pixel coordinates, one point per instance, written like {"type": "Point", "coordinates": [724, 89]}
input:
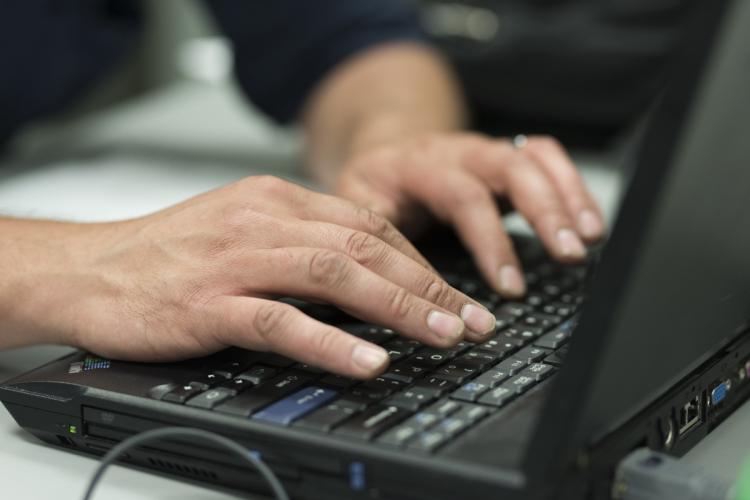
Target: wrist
{"type": "Point", "coordinates": [48, 271]}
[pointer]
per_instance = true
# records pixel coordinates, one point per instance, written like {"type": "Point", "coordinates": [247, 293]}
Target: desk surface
{"type": "Point", "coordinates": [136, 177]}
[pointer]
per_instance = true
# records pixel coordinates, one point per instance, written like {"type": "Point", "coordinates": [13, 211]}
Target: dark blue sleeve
{"type": "Point", "coordinates": [283, 48]}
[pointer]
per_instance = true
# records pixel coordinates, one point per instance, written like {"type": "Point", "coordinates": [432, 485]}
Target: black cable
{"type": "Point", "coordinates": [169, 432]}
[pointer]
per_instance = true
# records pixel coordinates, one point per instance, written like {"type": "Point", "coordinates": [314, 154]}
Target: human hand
{"type": "Point", "coordinates": [455, 177]}
{"type": "Point", "coordinates": [200, 276]}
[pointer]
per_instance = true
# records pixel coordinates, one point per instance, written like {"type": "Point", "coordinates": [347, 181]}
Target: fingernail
{"type": "Point", "coordinates": [590, 224]}
{"type": "Point", "coordinates": [478, 319]}
{"type": "Point", "coordinates": [369, 358]}
{"type": "Point", "coordinates": [569, 244]}
{"type": "Point", "coordinates": [447, 326]}
{"type": "Point", "coordinates": [511, 281]}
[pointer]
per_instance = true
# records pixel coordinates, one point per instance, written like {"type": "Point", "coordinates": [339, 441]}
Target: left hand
{"type": "Point", "coordinates": [455, 176]}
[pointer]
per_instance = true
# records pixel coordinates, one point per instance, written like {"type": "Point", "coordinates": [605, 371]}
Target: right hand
{"type": "Point", "coordinates": [200, 276]}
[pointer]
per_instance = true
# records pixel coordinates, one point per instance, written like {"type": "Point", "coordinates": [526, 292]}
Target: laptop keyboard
{"type": "Point", "coordinates": [428, 396]}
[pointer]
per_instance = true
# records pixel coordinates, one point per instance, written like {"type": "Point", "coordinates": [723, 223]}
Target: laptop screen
{"type": "Point", "coordinates": [673, 285]}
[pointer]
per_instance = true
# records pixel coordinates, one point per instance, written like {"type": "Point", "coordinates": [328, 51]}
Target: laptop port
{"type": "Point", "coordinates": [719, 393]}
{"type": "Point", "coordinates": [690, 416]}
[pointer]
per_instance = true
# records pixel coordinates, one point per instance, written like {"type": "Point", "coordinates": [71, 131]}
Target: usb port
{"type": "Point", "coordinates": [690, 416]}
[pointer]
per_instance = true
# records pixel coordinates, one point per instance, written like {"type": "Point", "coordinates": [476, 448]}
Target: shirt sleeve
{"type": "Point", "coordinates": [283, 48]}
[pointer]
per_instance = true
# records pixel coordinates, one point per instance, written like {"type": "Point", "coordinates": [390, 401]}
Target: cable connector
{"type": "Point", "coordinates": [647, 475]}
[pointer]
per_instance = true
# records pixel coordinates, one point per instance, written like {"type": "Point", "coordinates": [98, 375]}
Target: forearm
{"type": "Point", "coordinates": [42, 264]}
{"type": "Point", "coordinates": [389, 92]}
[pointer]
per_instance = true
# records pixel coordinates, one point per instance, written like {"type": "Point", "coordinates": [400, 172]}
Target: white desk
{"type": "Point", "coordinates": [150, 164]}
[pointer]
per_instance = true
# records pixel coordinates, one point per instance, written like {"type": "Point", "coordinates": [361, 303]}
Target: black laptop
{"type": "Point", "coordinates": [646, 346]}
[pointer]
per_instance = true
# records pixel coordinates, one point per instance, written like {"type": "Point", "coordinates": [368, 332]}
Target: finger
{"type": "Point", "coordinates": [582, 207]}
{"type": "Point", "coordinates": [536, 197]}
{"type": "Point", "coordinates": [344, 213]}
{"type": "Point", "coordinates": [336, 278]}
{"type": "Point", "coordinates": [260, 324]}
{"type": "Point", "coordinates": [377, 256]}
{"type": "Point", "coordinates": [310, 205]}
{"type": "Point", "coordinates": [463, 201]}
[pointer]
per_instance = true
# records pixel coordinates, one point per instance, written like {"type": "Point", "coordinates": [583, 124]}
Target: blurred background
{"type": "Point", "coordinates": [171, 113]}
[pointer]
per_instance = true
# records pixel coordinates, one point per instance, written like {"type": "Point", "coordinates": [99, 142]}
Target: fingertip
{"type": "Point", "coordinates": [369, 360]}
{"type": "Point", "coordinates": [568, 245]}
{"type": "Point", "coordinates": [511, 283]}
{"type": "Point", "coordinates": [590, 225]}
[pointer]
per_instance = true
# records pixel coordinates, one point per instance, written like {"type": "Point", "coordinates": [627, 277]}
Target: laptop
{"type": "Point", "coordinates": [646, 345]}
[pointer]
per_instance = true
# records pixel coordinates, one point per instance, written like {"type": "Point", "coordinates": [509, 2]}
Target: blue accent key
{"type": "Point", "coordinates": [296, 405]}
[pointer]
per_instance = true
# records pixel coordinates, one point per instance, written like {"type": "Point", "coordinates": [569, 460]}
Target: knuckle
{"type": "Point", "coordinates": [436, 291]}
{"type": "Point", "coordinates": [328, 268]}
{"type": "Point", "coordinates": [362, 247]}
{"type": "Point", "coordinates": [373, 222]}
{"type": "Point", "coordinates": [324, 343]}
{"type": "Point", "coordinates": [269, 321]}
{"type": "Point", "coordinates": [268, 183]}
{"type": "Point", "coordinates": [545, 142]}
{"type": "Point", "coordinates": [399, 303]}
{"type": "Point", "coordinates": [238, 214]}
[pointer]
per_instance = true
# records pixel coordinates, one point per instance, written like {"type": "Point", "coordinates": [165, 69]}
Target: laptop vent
{"type": "Point", "coordinates": [182, 468]}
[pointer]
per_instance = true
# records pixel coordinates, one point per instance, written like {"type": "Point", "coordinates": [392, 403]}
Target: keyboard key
{"type": "Point", "coordinates": [444, 408]}
{"type": "Point", "coordinates": [370, 333]}
{"type": "Point", "coordinates": [372, 422]}
{"type": "Point", "coordinates": [470, 391]}
{"type": "Point", "coordinates": [560, 309]}
{"type": "Point", "coordinates": [338, 381]}
{"type": "Point", "coordinates": [534, 299]}
{"type": "Point", "coordinates": [510, 366]}
{"type": "Point", "coordinates": [499, 396]}
{"type": "Point", "coordinates": [515, 309]}
{"type": "Point", "coordinates": [552, 340]}
{"type": "Point", "coordinates": [258, 374]}
{"type": "Point", "coordinates": [531, 354]}
{"type": "Point", "coordinates": [249, 402]}
{"type": "Point", "coordinates": [309, 368]}
{"type": "Point", "coordinates": [432, 357]}
{"type": "Point", "coordinates": [478, 359]}
{"type": "Point", "coordinates": [428, 441]}
{"type": "Point", "coordinates": [326, 418]}
{"type": "Point", "coordinates": [493, 377]}
{"type": "Point", "coordinates": [245, 404]}
{"type": "Point", "coordinates": [455, 372]}
{"type": "Point", "coordinates": [454, 425]}
{"type": "Point", "coordinates": [412, 399]}
{"type": "Point", "coordinates": [409, 369]}
{"type": "Point", "coordinates": [369, 393]}
{"type": "Point", "coordinates": [385, 383]}
{"type": "Point", "coordinates": [525, 332]}
{"type": "Point", "coordinates": [236, 385]}
{"type": "Point", "coordinates": [396, 375]}
{"type": "Point", "coordinates": [230, 369]}
{"type": "Point", "coordinates": [211, 398]}
{"type": "Point", "coordinates": [472, 413]}
{"type": "Point", "coordinates": [557, 357]}
{"type": "Point", "coordinates": [424, 420]}
{"type": "Point", "coordinates": [182, 393]}
{"type": "Point", "coordinates": [400, 435]}
{"type": "Point", "coordinates": [499, 346]}
{"type": "Point", "coordinates": [520, 383]}
{"type": "Point", "coordinates": [439, 385]}
{"type": "Point", "coordinates": [543, 321]}
{"type": "Point", "coordinates": [503, 320]}
{"type": "Point", "coordinates": [208, 381]}
{"type": "Point", "coordinates": [538, 371]}
{"type": "Point", "coordinates": [296, 405]}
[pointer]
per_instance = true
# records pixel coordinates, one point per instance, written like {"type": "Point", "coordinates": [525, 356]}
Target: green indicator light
{"type": "Point", "coordinates": [72, 429]}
